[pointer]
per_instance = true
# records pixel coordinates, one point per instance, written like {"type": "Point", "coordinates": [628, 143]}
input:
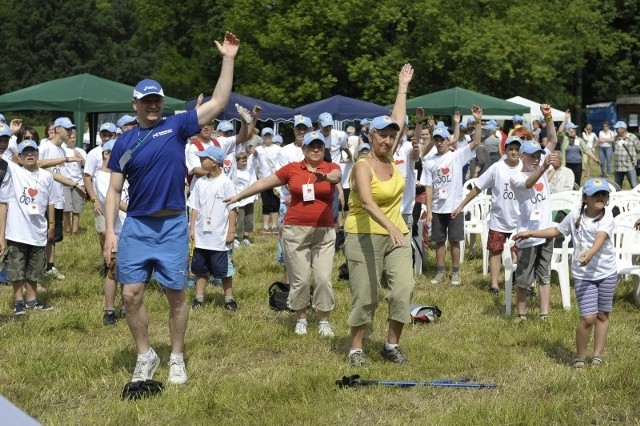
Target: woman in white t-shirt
{"type": "Point", "coordinates": [605, 149]}
{"type": "Point", "coordinates": [593, 266]}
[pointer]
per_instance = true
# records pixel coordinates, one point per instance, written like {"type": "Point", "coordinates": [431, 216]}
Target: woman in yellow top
{"type": "Point", "coordinates": [377, 244]}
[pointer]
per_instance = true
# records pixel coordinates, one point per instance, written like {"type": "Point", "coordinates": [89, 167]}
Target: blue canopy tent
{"type": "Point", "coordinates": [269, 112]}
{"type": "Point", "coordinates": [343, 108]}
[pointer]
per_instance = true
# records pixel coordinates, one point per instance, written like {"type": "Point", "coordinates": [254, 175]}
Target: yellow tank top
{"type": "Point", "coordinates": [387, 195]}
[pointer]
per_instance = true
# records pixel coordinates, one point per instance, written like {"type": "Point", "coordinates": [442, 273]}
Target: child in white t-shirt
{"type": "Point", "coordinates": [245, 176]}
{"type": "Point", "coordinates": [593, 267]}
{"type": "Point", "coordinates": [28, 198]}
{"type": "Point", "coordinates": [212, 226]}
{"type": "Point", "coordinates": [443, 181]}
{"type": "Point", "coordinates": [505, 212]}
{"type": "Point", "coordinates": [101, 186]}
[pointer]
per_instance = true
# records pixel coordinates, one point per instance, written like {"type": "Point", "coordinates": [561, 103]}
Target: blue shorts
{"type": "Point", "coordinates": [154, 244]}
{"type": "Point", "coordinates": [209, 262]}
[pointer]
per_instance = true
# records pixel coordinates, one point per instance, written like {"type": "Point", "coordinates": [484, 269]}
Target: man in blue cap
{"type": "Point", "coordinates": [151, 157]}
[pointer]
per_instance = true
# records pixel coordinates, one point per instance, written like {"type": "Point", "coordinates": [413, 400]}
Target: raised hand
{"type": "Point", "coordinates": [406, 74]}
{"type": "Point", "coordinates": [420, 114]}
{"type": "Point", "coordinates": [230, 45]}
{"type": "Point", "coordinates": [457, 117]}
{"type": "Point", "coordinates": [477, 112]}
{"type": "Point", "coordinates": [545, 109]}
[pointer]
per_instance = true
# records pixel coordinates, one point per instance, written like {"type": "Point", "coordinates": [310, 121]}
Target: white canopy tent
{"type": "Point", "coordinates": [534, 112]}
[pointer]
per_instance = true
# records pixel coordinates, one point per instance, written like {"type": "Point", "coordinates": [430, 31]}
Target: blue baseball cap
{"type": "Point", "coordinates": [4, 130]}
{"type": "Point", "coordinates": [108, 127]}
{"type": "Point", "coordinates": [620, 125]}
{"type": "Point", "coordinates": [530, 147]}
{"type": "Point", "coordinates": [126, 119]}
{"type": "Point", "coordinates": [440, 124]}
{"type": "Point", "coordinates": [325, 119]}
{"type": "Point", "coordinates": [108, 146]}
{"type": "Point", "coordinates": [513, 139]}
{"type": "Point", "coordinates": [364, 146]}
{"type": "Point", "coordinates": [277, 139]}
{"type": "Point", "coordinates": [364, 122]}
{"type": "Point", "coordinates": [591, 186]}
{"type": "Point", "coordinates": [213, 152]}
{"type": "Point", "coordinates": [490, 126]}
{"type": "Point", "coordinates": [312, 137]}
{"type": "Point", "coordinates": [493, 122]}
{"type": "Point", "coordinates": [25, 144]}
{"type": "Point", "coordinates": [518, 118]}
{"type": "Point", "coordinates": [147, 87]}
{"type": "Point", "coordinates": [384, 121]}
{"type": "Point", "coordinates": [441, 132]}
{"type": "Point", "coordinates": [2, 119]}
{"type": "Point", "coordinates": [267, 131]}
{"type": "Point", "coordinates": [570, 126]}
{"type": "Point", "coordinates": [301, 120]}
{"type": "Point", "coordinates": [64, 122]}
{"type": "Point", "coordinates": [225, 126]}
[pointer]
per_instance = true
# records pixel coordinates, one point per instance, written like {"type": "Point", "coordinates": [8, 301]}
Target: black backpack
{"type": "Point", "coordinates": [278, 295]}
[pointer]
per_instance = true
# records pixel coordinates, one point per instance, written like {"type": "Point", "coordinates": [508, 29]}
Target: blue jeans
{"type": "Point", "coordinates": [631, 177]}
{"type": "Point", "coordinates": [606, 167]}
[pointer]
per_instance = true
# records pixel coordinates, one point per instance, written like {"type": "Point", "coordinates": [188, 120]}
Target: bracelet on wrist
{"type": "Point", "coordinates": [548, 117]}
{"type": "Point", "coordinates": [402, 93]}
{"type": "Point", "coordinates": [478, 122]}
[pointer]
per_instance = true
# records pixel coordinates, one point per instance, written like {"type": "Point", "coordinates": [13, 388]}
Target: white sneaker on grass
{"type": "Point", "coordinates": [177, 372]}
{"type": "Point", "coordinates": [145, 369]}
{"type": "Point", "coordinates": [301, 328]}
{"type": "Point", "coordinates": [53, 272]}
{"type": "Point", "coordinates": [325, 330]}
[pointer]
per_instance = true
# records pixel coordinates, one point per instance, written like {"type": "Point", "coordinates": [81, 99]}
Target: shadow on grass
{"type": "Point", "coordinates": [558, 351]}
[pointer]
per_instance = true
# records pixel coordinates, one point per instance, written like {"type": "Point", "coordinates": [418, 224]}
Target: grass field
{"type": "Point", "coordinates": [248, 367]}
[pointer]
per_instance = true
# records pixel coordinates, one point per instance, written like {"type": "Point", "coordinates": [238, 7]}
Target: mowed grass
{"type": "Point", "coordinates": [248, 367]}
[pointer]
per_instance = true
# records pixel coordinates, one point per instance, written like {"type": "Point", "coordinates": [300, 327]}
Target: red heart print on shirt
{"type": "Point", "coordinates": [32, 192]}
{"type": "Point", "coordinates": [538, 186]}
{"type": "Point", "coordinates": [444, 171]}
{"type": "Point", "coordinates": [226, 162]}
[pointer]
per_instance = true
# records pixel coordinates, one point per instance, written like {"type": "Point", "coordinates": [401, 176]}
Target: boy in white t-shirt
{"type": "Point", "coordinates": [245, 176]}
{"type": "Point", "coordinates": [505, 209]}
{"type": "Point", "coordinates": [211, 226]}
{"type": "Point", "coordinates": [101, 180]}
{"type": "Point", "coordinates": [443, 182]}
{"type": "Point", "coordinates": [531, 188]}
{"type": "Point", "coordinates": [28, 198]}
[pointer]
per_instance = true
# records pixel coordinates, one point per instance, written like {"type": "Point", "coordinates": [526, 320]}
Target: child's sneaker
{"type": "Point", "coordinates": [37, 306]}
{"type": "Point", "coordinates": [109, 318]}
{"type": "Point", "coordinates": [247, 242]}
{"type": "Point", "coordinates": [301, 328]}
{"type": "Point", "coordinates": [393, 355]}
{"type": "Point", "coordinates": [356, 359]}
{"type": "Point", "coordinates": [196, 304]}
{"type": "Point", "coordinates": [231, 305]}
{"type": "Point", "coordinates": [53, 272]}
{"type": "Point", "coordinates": [456, 279]}
{"type": "Point", "coordinates": [236, 243]}
{"type": "Point", "coordinates": [325, 329]}
{"type": "Point", "coordinates": [19, 308]}
{"type": "Point", "coordinates": [439, 278]}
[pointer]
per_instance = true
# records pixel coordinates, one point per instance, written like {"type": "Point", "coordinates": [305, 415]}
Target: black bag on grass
{"type": "Point", "coordinates": [343, 272]}
{"type": "Point", "coordinates": [278, 295]}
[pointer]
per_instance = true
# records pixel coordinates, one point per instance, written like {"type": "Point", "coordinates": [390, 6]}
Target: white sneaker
{"type": "Point", "coordinates": [247, 242]}
{"type": "Point", "coordinates": [236, 243]}
{"type": "Point", "coordinates": [55, 273]}
{"type": "Point", "coordinates": [301, 328]}
{"type": "Point", "coordinates": [145, 369]}
{"type": "Point", "coordinates": [325, 330]}
{"type": "Point", "coordinates": [177, 372]}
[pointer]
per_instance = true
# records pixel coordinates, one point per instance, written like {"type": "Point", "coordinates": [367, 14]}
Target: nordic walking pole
{"type": "Point", "coordinates": [353, 382]}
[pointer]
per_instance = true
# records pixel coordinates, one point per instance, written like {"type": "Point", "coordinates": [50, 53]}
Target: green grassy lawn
{"type": "Point", "coordinates": [248, 367]}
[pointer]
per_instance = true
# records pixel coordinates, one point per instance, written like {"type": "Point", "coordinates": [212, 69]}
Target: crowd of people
{"type": "Point", "coordinates": [172, 197]}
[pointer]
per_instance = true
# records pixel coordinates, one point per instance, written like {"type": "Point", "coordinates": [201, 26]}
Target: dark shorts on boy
{"type": "Point", "coordinates": [211, 262]}
{"type": "Point", "coordinates": [443, 228]}
{"type": "Point", "coordinates": [270, 202]}
{"type": "Point", "coordinates": [25, 262]}
{"type": "Point", "coordinates": [533, 265]}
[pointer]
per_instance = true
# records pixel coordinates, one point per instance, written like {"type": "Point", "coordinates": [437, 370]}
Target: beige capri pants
{"type": "Point", "coordinates": [307, 250]}
{"type": "Point", "coordinates": [371, 257]}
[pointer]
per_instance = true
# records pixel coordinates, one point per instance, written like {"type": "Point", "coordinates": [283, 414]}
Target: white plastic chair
{"type": "Point", "coordinates": [625, 201]}
{"type": "Point", "coordinates": [478, 211]}
{"type": "Point", "coordinates": [628, 218]}
{"type": "Point", "coordinates": [417, 245]}
{"type": "Point", "coordinates": [561, 257]}
{"type": "Point", "coordinates": [509, 268]}
{"type": "Point", "coordinates": [627, 245]}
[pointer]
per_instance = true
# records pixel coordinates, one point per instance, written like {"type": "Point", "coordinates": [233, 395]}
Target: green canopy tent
{"type": "Point", "coordinates": [447, 102]}
{"type": "Point", "coordinates": [81, 94]}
